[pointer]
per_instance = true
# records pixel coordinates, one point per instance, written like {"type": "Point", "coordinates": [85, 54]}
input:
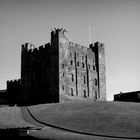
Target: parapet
{"type": "Point", "coordinates": [57, 30]}
{"type": "Point", "coordinates": [96, 47]}
{"type": "Point", "coordinates": [99, 44]}
{"type": "Point", "coordinates": [27, 46]}
{"type": "Point", "coordinates": [71, 44]}
{"type": "Point", "coordinates": [14, 82]}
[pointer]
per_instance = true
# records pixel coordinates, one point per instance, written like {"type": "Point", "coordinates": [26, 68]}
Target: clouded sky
{"type": "Point", "coordinates": [116, 23]}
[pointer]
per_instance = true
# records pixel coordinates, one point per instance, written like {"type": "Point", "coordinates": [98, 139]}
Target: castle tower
{"type": "Point", "coordinates": [59, 53]}
{"type": "Point", "coordinates": [24, 72]}
{"type": "Point", "coordinates": [99, 51]}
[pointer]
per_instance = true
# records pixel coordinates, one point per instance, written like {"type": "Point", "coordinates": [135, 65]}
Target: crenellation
{"type": "Point", "coordinates": [41, 47]}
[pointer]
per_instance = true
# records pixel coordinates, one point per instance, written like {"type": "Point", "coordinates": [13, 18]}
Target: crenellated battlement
{"type": "Point", "coordinates": [57, 30]}
{"type": "Point", "coordinates": [15, 81]}
{"type": "Point", "coordinates": [99, 44]}
{"type": "Point", "coordinates": [96, 44]}
{"type": "Point", "coordinates": [28, 47]}
{"type": "Point", "coordinates": [71, 44]}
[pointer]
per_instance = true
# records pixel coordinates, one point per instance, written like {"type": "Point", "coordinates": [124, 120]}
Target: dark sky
{"type": "Point", "coordinates": [116, 23]}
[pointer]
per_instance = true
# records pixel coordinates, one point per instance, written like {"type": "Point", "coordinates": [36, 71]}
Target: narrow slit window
{"type": "Point", "coordinates": [63, 74]}
{"type": "Point", "coordinates": [72, 77]}
{"type": "Point", "coordinates": [77, 64]}
{"type": "Point", "coordinates": [93, 67]}
{"type": "Point", "coordinates": [88, 66]}
{"type": "Point", "coordinates": [71, 62]}
{"type": "Point", "coordinates": [83, 65]}
{"type": "Point", "coordinates": [95, 82]}
{"type": "Point", "coordinates": [70, 54]}
{"type": "Point", "coordinates": [71, 91]}
{"type": "Point", "coordinates": [84, 79]}
{"type": "Point", "coordinates": [63, 65]}
{"type": "Point", "coordinates": [63, 87]}
{"type": "Point", "coordinates": [85, 93]}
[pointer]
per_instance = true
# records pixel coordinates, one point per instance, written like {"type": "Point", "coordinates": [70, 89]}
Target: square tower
{"type": "Point", "coordinates": [99, 51]}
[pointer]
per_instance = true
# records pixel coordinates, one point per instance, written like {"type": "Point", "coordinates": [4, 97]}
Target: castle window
{"type": "Point", "coordinates": [63, 65]}
{"type": "Point", "coordinates": [88, 66]}
{"type": "Point", "coordinates": [72, 77]}
{"type": "Point", "coordinates": [95, 95]}
{"type": "Point", "coordinates": [63, 87]}
{"type": "Point", "coordinates": [93, 67]}
{"type": "Point", "coordinates": [82, 57]}
{"type": "Point", "coordinates": [85, 94]}
{"type": "Point", "coordinates": [70, 54]}
{"type": "Point", "coordinates": [71, 91]}
{"type": "Point", "coordinates": [71, 62]}
{"type": "Point", "coordinates": [77, 64]}
{"type": "Point", "coordinates": [63, 74]}
{"type": "Point", "coordinates": [77, 54]}
{"type": "Point", "coordinates": [83, 65]}
{"type": "Point", "coordinates": [84, 79]}
{"type": "Point", "coordinates": [95, 82]}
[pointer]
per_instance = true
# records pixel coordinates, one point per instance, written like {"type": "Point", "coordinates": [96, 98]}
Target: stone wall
{"type": "Point", "coordinates": [77, 70]}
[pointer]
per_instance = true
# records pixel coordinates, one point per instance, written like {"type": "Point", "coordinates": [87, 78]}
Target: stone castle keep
{"type": "Point", "coordinates": [59, 71]}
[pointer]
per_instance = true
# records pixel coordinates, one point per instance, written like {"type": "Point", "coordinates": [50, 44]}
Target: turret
{"type": "Point", "coordinates": [99, 51]}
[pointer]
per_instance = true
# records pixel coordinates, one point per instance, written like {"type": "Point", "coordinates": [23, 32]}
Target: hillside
{"type": "Point", "coordinates": [101, 118]}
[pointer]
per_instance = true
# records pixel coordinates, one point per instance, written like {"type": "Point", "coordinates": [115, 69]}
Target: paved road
{"type": "Point", "coordinates": [11, 117]}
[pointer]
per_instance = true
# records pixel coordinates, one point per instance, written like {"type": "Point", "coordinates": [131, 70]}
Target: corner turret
{"type": "Point", "coordinates": [98, 49]}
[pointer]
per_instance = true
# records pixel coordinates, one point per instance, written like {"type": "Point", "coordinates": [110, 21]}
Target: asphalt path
{"type": "Point", "coordinates": [11, 117]}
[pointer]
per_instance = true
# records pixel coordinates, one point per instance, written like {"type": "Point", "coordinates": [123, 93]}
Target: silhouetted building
{"type": "Point", "coordinates": [3, 97]}
{"type": "Point", "coordinates": [128, 96]}
{"type": "Point", "coordinates": [58, 70]}
{"type": "Point", "coordinates": [13, 91]}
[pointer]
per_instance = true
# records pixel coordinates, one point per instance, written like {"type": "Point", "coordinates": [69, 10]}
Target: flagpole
{"type": "Point", "coordinates": [89, 30]}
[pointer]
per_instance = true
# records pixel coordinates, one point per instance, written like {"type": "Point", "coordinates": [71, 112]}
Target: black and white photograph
{"type": "Point", "coordinates": [69, 69]}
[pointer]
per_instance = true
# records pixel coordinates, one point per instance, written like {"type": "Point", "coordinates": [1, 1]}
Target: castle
{"type": "Point", "coordinates": [59, 71]}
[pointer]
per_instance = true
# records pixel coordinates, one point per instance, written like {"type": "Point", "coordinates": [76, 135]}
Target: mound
{"type": "Point", "coordinates": [101, 118]}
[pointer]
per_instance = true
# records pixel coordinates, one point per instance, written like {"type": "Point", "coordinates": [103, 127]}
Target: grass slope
{"type": "Point", "coordinates": [105, 118]}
